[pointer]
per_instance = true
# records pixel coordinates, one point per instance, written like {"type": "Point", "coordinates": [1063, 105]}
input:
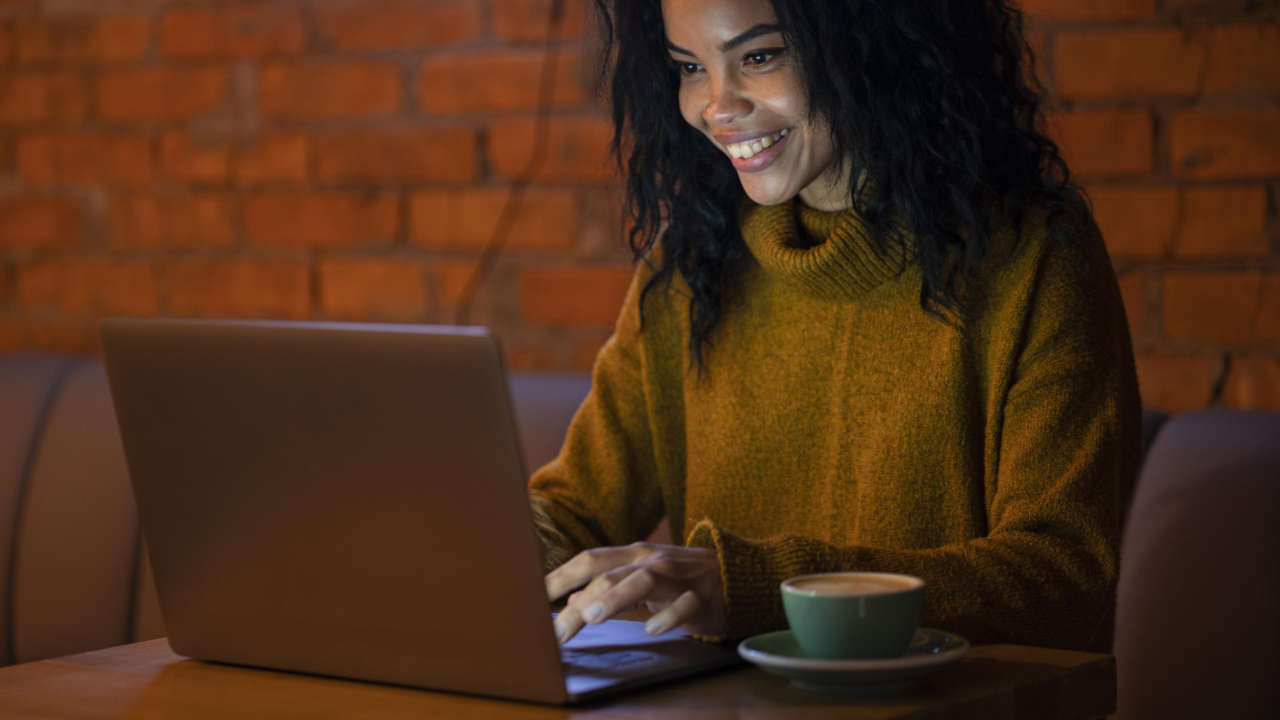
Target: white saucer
{"type": "Point", "coordinates": [778, 653]}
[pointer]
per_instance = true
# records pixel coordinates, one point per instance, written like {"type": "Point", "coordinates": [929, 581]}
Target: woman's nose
{"type": "Point", "coordinates": [725, 103]}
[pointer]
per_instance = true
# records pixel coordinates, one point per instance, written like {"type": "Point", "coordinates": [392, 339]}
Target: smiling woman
{"type": "Point", "coordinates": [743, 91]}
{"type": "Point", "coordinates": [873, 327]}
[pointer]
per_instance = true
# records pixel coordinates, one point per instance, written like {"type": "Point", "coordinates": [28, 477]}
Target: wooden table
{"type": "Point", "coordinates": [146, 680]}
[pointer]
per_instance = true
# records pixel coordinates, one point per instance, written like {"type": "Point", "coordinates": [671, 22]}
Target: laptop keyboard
{"type": "Point", "coordinates": [597, 659]}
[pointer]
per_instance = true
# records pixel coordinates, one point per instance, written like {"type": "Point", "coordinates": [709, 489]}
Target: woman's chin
{"type": "Point", "coordinates": [762, 194]}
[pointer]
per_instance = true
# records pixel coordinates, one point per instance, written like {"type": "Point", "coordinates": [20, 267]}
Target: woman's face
{"type": "Point", "coordinates": [741, 87]}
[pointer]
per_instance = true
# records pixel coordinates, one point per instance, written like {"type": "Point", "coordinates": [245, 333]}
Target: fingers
{"type": "Point", "coordinates": [684, 609]}
{"type": "Point", "coordinates": [588, 564]}
{"type": "Point", "coordinates": [607, 595]}
{"type": "Point", "coordinates": [617, 595]}
{"type": "Point", "coordinates": [683, 586]}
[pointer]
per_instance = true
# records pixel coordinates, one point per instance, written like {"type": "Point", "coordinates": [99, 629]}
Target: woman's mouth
{"type": "Point", "coordinates": [759, 153]}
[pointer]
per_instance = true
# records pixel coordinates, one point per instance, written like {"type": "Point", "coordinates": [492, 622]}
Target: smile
{"type": "Point", "coordinates": [755, 154]}
{"type": "Point", "coordinates": [750, 148]}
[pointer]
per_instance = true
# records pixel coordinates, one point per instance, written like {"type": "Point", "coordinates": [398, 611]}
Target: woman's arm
{"type": "Point", "coordinates": [602, 488]}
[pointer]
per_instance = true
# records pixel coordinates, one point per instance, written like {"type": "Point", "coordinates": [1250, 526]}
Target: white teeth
{"type": "Point", "coordinates": [745, 150]}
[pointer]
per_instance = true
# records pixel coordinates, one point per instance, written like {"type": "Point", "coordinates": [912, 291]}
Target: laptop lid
{"type": "Point", "coordinates": [345, 500]}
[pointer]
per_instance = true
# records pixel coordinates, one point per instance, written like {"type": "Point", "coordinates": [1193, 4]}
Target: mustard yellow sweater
{"type": "Point", "coordinates": [839, 427]}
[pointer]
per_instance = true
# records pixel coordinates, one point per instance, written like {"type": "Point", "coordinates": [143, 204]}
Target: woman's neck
{"type": "Point", "coordinates": [831, 195]}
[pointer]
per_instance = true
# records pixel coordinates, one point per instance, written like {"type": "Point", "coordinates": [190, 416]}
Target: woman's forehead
{"type": "Point", "coordinates": [713, 22]}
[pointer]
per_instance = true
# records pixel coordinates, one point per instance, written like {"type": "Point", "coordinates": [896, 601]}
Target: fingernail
{"type": "Point", "coordinates": [562, 631]}
{"type": "Point", "coordinates": [594, 612]}
{"type": "Point", "coordinates": [655, 626]}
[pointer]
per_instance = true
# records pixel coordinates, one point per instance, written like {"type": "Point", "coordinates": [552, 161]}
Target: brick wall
{"type": "Point", "coordinates": [349, 158]}
{"type": "Point", "coordinates": [1169, 111]}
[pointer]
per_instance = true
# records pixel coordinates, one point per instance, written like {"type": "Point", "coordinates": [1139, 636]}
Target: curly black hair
{"type": "Point", "coordinates": [935, 100]}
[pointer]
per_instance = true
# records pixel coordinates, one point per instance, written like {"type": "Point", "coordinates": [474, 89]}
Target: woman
{"type": "Point", "coordinates": [874, 328]}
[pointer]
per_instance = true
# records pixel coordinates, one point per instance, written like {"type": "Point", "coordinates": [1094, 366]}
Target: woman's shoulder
{"type": "Point", "coordinates": [1047, 239]}
{"type": "Point", "coordinates": [652, 302]}
{"type": "Point", "coordinates": [1049, 276]}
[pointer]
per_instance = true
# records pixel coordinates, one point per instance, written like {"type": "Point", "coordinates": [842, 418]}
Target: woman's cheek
{"type": "Point", "coordinates": [689, 108]}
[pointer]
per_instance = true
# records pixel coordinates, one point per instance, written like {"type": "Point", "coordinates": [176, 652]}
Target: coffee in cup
{"type": "Point", "coordinates": [853, 614]}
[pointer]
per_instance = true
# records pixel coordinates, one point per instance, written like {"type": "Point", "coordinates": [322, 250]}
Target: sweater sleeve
{"type": "Point", "coordinates": [602, 489]}
{"type": "Point", "coordinates": [1066, 443]}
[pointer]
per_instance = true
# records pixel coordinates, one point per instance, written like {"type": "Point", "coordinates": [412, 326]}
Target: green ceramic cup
{"type": "Point", "coordinates": [853, 615]}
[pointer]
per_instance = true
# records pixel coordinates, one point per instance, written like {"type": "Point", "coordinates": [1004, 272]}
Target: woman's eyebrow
{"type": "Point", "coordinates": [733, 42]}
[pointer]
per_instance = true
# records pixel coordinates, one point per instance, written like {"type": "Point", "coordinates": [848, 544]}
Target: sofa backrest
{"type": "Point", "coordinates": [69, 548]}
{"type": "Point", "coordinates": [1198, 602]}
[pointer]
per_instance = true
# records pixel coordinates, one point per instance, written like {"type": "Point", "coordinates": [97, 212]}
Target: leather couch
{"type": "Point", "coordinates": [1198, 606]}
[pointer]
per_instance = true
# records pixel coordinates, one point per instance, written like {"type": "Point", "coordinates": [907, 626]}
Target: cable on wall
{"type": "Point", "coordinates": [498, 239]}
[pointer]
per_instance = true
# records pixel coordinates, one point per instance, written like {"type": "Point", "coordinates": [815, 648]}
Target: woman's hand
{"type": "Point", "coordinates": [682, 586]}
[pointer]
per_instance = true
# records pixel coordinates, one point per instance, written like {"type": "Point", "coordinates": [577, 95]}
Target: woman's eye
{"type": "Point", "coordinates": [687, 68]}
{"type": "Point", "coordinates": [761, 57]}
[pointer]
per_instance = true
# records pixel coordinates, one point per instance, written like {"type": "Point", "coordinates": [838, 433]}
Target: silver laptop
{"type": "Point", "coordinates": [349, 500]}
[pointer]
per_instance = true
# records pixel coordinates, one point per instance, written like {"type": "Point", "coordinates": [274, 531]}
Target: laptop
{"type": "Point", "coordinates": [349, 500]}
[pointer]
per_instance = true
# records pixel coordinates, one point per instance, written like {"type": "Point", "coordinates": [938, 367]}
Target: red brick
{"type": "Point", "coordinates": [388, 289]}
{"type": "Point", "coordinates": [51, 158]}
{"type": "Point", "coordinates": [183, 159]}
{"type": "Point", "coordinates": [1133, 289]}
{"type": "Point", "coordinates": [1244, 58]}
{"type": "Point", "coordinates": [238, 288]}
{"type": "Point", "coordinates": [161, 93]}
{"type": "Point", "coordinates": [7, 43]}
{"type": "Point", "coordinates": [579, 296]}
{"type": "Point", "coordinates": [1225, 144]}
{"type": "Point", "coordinates": [1254, 382]}
{"type": "Point", "coordinates": [1223, 222]}
{"type": "Point", "coordinates": [1266, 326]}
{"type": "Point", "coordinates": [1136, 222]}
{"type": "Point", "coordinates": [104, 287]}
{"type": "Point", "coordinates": [1089, 9]}
{"type": "Point", "coordinates": [496, 81]}
{"type": "Point", "coordinates": [117, 38]}
{"type": "Point", "coordinates": [320, 219]}
{"type": "Point", "coordinates": [27, 222]}
{"type": "Point", "coordinates": [1211, 11]}
{"type": "Point", "coordinates": [1213, 306]}
{"type": "Point", "coordinates": [385, 155]}
{"type": "Point", "coordinates": [239, 31]}
{"type": "Point", "coordinates": [466, 219]}
{"type": "Point", "coordinates": [584, 355]}
{"type": "Point", "coordinates": [526, 20]}
{"type": "Point", "coordinates": [188, 220]}
{"type": "Point", "coordinates": [396, 24]}
{"type": "Point", "coordinates": [1122, 63]}
{"type": "Point", "coordinates": [276, 157]}
{"type": "Point", "coordinates": [577, 149]}
{"type": "Point", "coordinates": [602, 228]}
{"type": "Point", "coordinates": [76, 336]}
{"type": "Point", "coordinates": [450, 278]}
{"type": "Point", "coordinates": [28, 98]}
{"type": "Point", "coordinates": [329, 89]}
{"type": "Point", "coordinates": [1176, 383]}
{"type": "Point", "coordinates": [1106, 142]}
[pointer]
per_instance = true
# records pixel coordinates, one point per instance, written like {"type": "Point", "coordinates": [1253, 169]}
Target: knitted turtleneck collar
{"type": "Point", "coordinates": [829, 254]}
